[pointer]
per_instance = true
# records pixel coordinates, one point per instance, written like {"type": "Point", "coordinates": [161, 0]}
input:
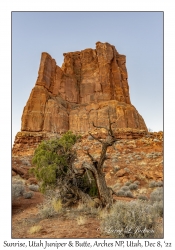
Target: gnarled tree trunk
{"type": "Point", "coordinates": [96, 167]}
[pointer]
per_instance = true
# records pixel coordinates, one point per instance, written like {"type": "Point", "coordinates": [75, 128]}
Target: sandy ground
{"type": "Point", "coordinates": [25, 216]}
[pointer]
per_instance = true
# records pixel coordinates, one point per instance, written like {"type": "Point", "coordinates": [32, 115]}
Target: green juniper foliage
{"type": "Point", "coordinates": [52, 158]}
{"type": "Point", "coordinates": [53, 163]}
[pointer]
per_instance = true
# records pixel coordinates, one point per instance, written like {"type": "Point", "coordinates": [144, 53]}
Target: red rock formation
{"type": "Point", "coordinates": [89, 83]}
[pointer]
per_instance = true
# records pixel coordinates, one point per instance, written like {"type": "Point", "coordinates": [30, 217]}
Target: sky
{"type": "Point", "coordinates": [138, 35]}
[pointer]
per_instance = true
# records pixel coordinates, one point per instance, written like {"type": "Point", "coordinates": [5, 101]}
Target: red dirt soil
{"type": "Point", "coordinates": [24, 216]}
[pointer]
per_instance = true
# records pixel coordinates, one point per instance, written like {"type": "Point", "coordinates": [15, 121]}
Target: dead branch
{"type": "Point", "coordinates": [90, 167]}
{"type": "Point", "coordinates": [109, 130]}
{"type": "Point", "coordinates": [95, 137]}
{"type": "Point", "coordinates": [112, 191]}
{"type": "Point", "coordinates": [93, 160]}
{"type": "Point", "coordinates": [90, 156]}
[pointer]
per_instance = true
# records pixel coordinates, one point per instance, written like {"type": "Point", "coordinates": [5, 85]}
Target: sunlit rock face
{"type": "Point", "coordinates": [90, 85]}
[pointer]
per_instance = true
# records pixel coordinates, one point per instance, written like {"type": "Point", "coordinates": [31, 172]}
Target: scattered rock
{"type": "Point", "coordinates": [121, 173]}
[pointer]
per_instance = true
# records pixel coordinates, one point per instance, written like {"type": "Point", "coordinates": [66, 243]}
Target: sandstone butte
{"type": "Point", "coordinates": [90, 84]}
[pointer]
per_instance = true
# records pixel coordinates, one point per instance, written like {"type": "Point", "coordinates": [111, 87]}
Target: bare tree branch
{"type": "Point", "coordinates": [109, 130]}
{"type": "Point", "coordinates": [95, 137]}
{"type": "Point", "coordinates": [90, 167]}
{"type": "Point", "coordinates": [112, 191]}
{"type": "Point", "coordinates": [90, 156]}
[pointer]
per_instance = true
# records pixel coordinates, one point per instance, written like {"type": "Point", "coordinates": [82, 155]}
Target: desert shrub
{"type": "Point", "coordinates": [116, 168]}
{"type": "Point", "coordinates": [159, 184]}
{"type": "Point", "coordinates": [125, 192]}
{"type": "Point", "coordinates": [129, 194]}
{"type": "Point", "coordinates": [121, 193]}
{"type": "Point", "coordinates": [102, 213]}
{"type": "Point", "coordinates": [158, 207]}
{"type": "Point", "coordinates": [157, 195]}
{"type": "Point", "coordinates": [138, 157]}
{"type": "Point", "coordinates": [127, 170]}
{"type": "Point", "coordinates": [18, 182]}
{"type": "Point", "coordinates": [34, 187]}
{"type": "Point", "coordinates": [17, 190]}
{"type": "Point", "coordinates": [135, 219]}
{"type": "Point", "coordinates": [127, 183]}
{"type": "Point", "coordinates": [133, 186]}
{"type": "Point", "coordinates": [142, 197]}
{"type": "Point", "coordinates": [51, 194]}
{"type": "Point", "coordinates": [149, 156]}
{"type": "Point", "coordinates": [46, 211]}
{"type": "Point", "coordinates": [156, 199]}
{"type": "Point", "coordinates": [25, 162]}
{"type": "Point", "coordinates": [50, 207]}
{"type": "Point", "coordinates": [152, 184]}
{"type": "Point", "coordinates": [28, 195]}
{"type": "Point", "coordinates": [125, 188]}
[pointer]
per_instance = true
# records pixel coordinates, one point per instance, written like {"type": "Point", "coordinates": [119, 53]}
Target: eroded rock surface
{"type": "Point", "coordinates": [89, 83]}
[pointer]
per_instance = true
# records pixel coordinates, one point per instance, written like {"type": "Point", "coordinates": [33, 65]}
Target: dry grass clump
{"type": "Point", "coordinates": [50, 208]}
{"type": "Point", "coordinates": [88, 208]}
{"type": "Point", "coordinates": [57, 205]}
{"type": "Point", "coordinates": [102, 213]}
{"type": "Point", "coordinates": [46, 211]}
{"type": "Point", "coordinates": [35, 229]}
{"type": "Point", "coordinates": [81, 220]}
